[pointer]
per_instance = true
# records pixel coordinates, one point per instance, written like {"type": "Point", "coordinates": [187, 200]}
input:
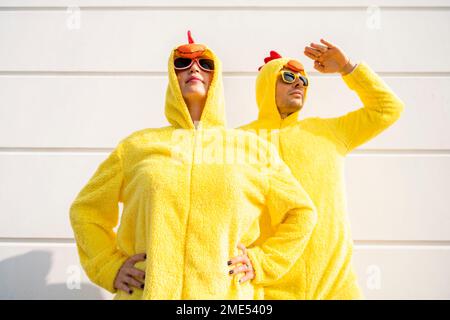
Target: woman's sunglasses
{"type": "Point", "coordinates": [290, 77]}
{"type": "Point", "coordinates": [185, 63]}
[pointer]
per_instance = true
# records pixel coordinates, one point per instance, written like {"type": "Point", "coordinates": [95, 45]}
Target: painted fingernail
{"type": "Point", "coordinates": [130, 292]}
{"type": "Point", "coordinates": [142, 286]}
{"type": "Point", "coordinates": [231, 272]}
{"type": "Point", "coordinates": [145, 256]}
{"type": "Point", "coordinates": [229, 262]}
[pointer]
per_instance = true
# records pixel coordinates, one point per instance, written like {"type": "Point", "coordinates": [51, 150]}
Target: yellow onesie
{"type": "Point", "coordinates": [315, 149]}
{"type": "Point", "coordinates": [190, 194]}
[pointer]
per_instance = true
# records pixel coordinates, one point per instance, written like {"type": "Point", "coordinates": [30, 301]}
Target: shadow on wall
{"type": "Point", "coordinates": [25, 277]}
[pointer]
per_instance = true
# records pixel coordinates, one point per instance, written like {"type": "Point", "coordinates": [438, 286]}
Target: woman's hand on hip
{"type": "Point", "coordinates": [130, 276]}
{"type": "Point", "coordinates": [246, 267]}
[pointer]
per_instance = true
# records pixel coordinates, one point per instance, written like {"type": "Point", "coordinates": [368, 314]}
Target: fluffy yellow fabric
{"type": "Point", "coordinates": [314, 149]}
{"type": "Point", "coordinates": [189, 197]}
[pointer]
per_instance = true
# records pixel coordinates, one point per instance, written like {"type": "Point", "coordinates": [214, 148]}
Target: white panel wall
{"type": "Point", "coordinates": [69, 93]}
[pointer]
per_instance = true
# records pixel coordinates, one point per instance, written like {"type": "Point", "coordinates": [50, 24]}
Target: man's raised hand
{"type": "Point", "coordinates": [329, 58]}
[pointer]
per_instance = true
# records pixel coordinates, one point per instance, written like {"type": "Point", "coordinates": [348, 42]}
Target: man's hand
{"type": "Point", "coordinates": [129, 275]}
{"type": "Point", "coordinates": [329, 58]}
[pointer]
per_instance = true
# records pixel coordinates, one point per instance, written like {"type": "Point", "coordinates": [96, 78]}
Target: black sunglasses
{"type": "Point", "coordinates": [184, 63]}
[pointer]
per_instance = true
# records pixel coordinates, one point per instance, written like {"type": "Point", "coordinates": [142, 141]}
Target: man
{"type": "Point", "coordinates": [315, 149]}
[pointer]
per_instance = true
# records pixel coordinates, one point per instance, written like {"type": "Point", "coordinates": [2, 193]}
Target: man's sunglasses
{"type": "Point", "coordinates": [185, 63]}
{"type": "Point", "coordinates": [290, 77]}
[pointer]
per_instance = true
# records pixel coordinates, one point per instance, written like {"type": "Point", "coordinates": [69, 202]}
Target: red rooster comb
{"type": "Point", "coordinates": [273, 55]}
{"type": "Point", "coordinates": [190, 40]}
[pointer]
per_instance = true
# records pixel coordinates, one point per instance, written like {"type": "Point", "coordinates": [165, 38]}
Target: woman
{"type": "Point", "coordinates": [186, 206]}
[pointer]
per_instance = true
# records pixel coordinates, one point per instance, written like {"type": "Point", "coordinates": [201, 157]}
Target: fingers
{"type": "Point", "coordinates": [244, 268]}
{"type": "Point", "coordinates": [137, 273]}
{"type": "Point", "coordinates": [319, 47]}
{"type": "Point", "coordinates": [137, 258]}
{"type": "Point", "coordinates": [133, 282]}
{"type": "Point", "coordinates": [312, 52]}
{"type": "Point", "coordinates": [328, 44]}
{"type": "Point", "coordinates": [238, 259]}
{"type": "Point", "coordinates": [129, 275]}
{"type": "Point", "coordinates": [244, 260]}
{"type": "Point", "coordinates": [122, 286]}
{"type": "Point", "coordinates": [125, 279]}
{"type": "Point", "coordinates": [248, 276]}
{"type": "Point", "coordinates": [309, 55]}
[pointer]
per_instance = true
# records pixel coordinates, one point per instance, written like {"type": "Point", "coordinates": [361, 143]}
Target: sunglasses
{"type": "Point", "coordinates": [290, 77]}
{"type": "Point", "coordinates": [185, 63]}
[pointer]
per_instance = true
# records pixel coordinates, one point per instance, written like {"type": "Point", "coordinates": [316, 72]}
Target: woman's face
{"type": "Point", "coordinates": [194, 82]}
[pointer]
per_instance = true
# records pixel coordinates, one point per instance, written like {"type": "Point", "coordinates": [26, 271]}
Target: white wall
{"type": "Point", "coordinates": [69, 92]}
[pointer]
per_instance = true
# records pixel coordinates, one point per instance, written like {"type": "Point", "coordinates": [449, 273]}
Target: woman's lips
{"type": "Point", "coordinates": [193, 79]}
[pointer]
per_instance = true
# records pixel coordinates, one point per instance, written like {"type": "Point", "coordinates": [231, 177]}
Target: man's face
{"type": "Point", "coordinates": [289, 96]}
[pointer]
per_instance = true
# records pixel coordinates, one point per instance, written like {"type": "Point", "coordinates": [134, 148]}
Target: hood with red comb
{"type": "Point", "coordinates": [266, 84]}
{"type": "Point", "coordinates": [176, 110]}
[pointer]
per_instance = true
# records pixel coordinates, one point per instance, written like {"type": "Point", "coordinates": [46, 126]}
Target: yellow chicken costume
{"type": "Point", "coordinates": [187, 202]}
{"type": "Point", "coordinates": [315, 149]}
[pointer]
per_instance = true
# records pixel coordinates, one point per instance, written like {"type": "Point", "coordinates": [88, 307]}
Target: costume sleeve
{"type": "Point", "coordinates": [293, 217]}
{"type": "Point", "coordinates": [381, 108]}
{"type": "Point", "coordinates": [93, 216]}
